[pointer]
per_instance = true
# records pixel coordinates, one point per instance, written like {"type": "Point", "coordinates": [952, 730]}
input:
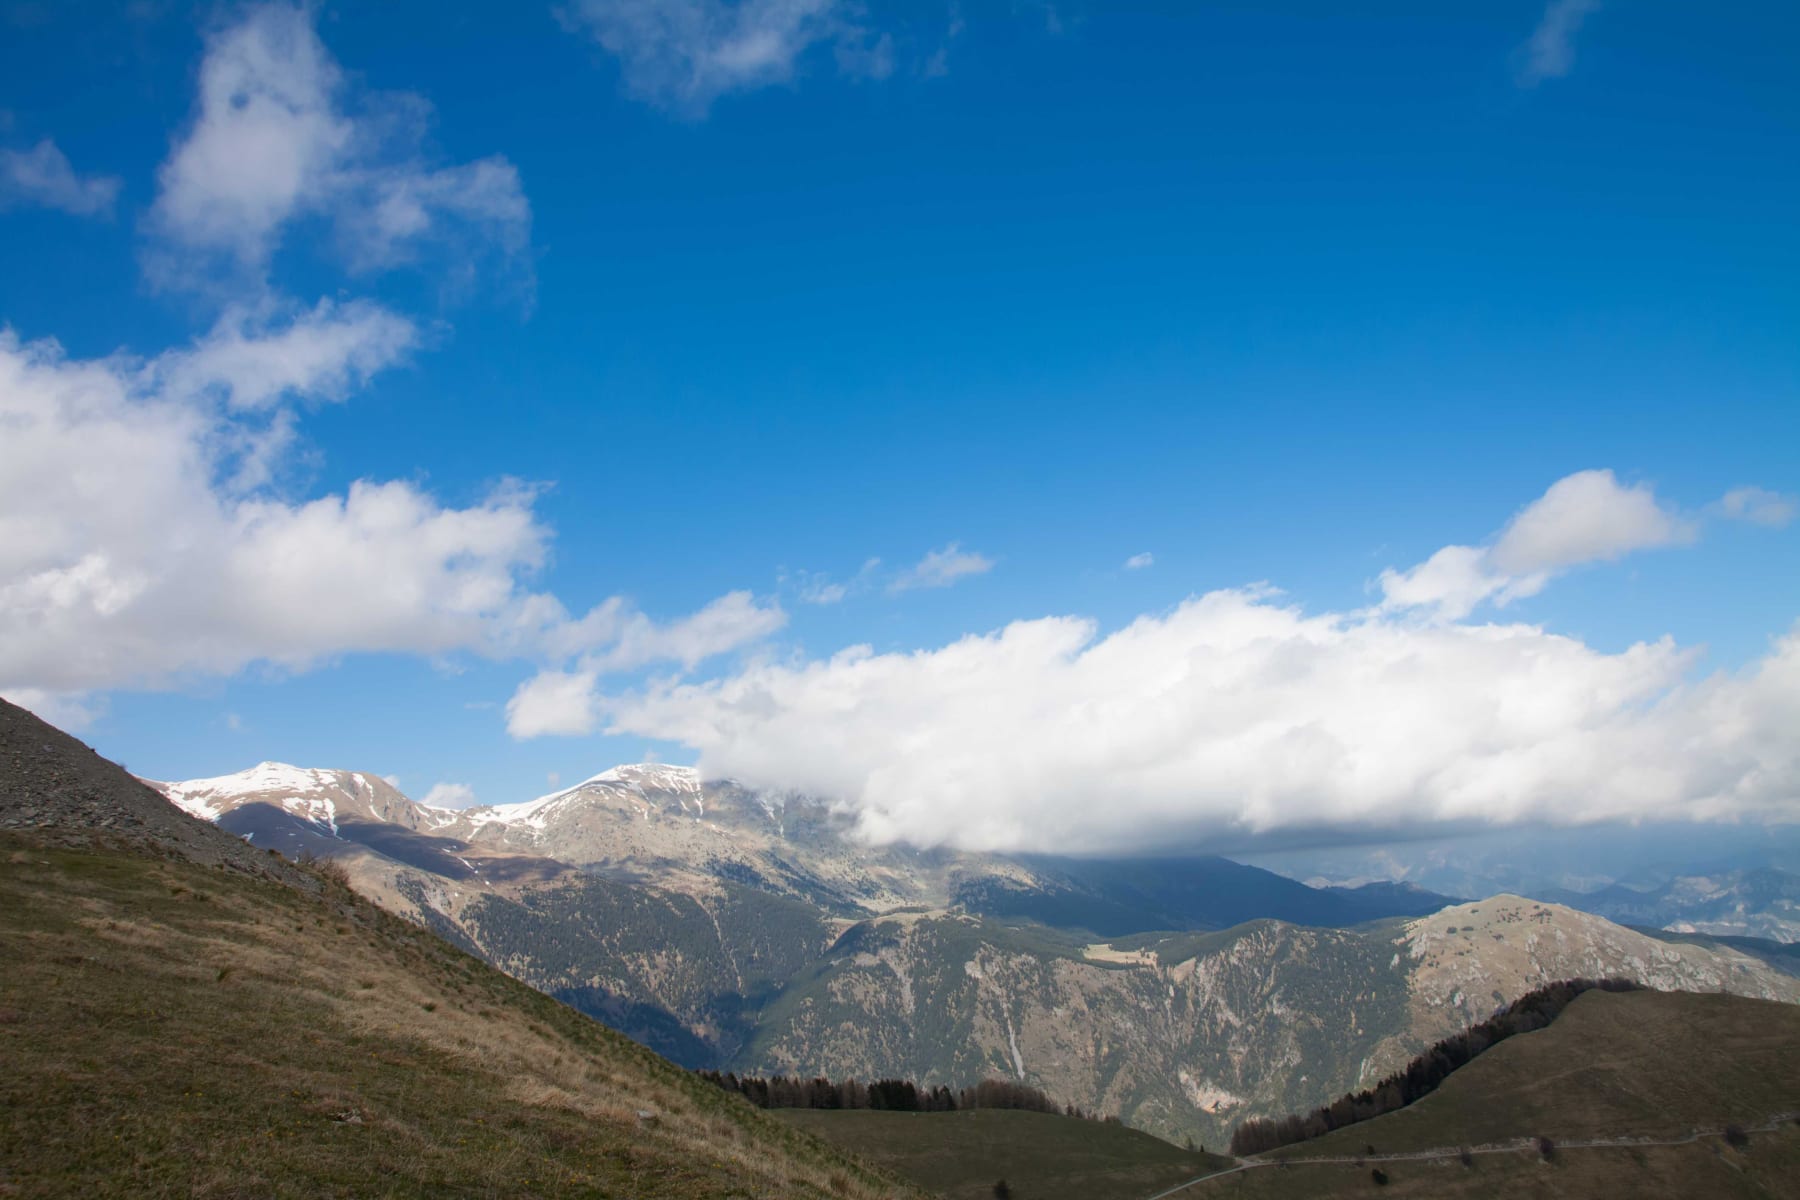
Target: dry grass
{"type": "Point", "coordinates": [1768, 1167]}
{"type": "Point", "coordinates": [962, 1155]}
{"type": "Point", "coordinates": [1633, 1065]}
{"type": "Point", "coordinates": [175, 1030]}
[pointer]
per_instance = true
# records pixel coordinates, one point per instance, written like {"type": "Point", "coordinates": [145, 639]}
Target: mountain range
{"type": "Point", "coordinates": [732, 928]}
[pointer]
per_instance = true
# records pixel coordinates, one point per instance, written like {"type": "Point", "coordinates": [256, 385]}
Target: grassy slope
{"type": "Point", "coordinates": [1650, 1063]}
{"type": "Point", "coordinates": [1639, 1064]}
{"type": "Point", "coordinates": [963, 1154]}
{"type": "Point", "coordinates": [173, 1029]}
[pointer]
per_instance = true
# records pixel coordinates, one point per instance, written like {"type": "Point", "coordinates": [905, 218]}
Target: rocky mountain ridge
{"type": "Point", "coordinates": [742, 930]}
{"type": "Point", "coordinates": [1759, 902]}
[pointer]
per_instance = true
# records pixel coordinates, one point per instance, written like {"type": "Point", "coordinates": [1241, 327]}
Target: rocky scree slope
{"type": "Point", "coordinates": [60, 787]}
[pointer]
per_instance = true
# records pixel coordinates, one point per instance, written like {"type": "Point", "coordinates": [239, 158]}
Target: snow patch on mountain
{"type": "Point", "coordinates": [305, 793]}
{"type": "Point", "coordinates": [637, 779]}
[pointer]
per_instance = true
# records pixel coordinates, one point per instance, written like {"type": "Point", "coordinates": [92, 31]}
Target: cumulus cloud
{"type": "Point", "coordinates": [134, 549]}
{"type": "Point", "coordinates": [278, 135]}
{"type": "Point", "coordinates": [1586, 517]}
{"type": "Point", "coordinates": [685, 54]}
{"type": "Point", "coordinates": [1550, 52]}
{"type": "Point", "coordinates": [450, 795]}
{"type": "Point", "coordinates": [42, 177]}
{"type": "Point", "coordinates": [1582, 518]}
{"type": "Point", "coordinates": [941, 568]}
{"type": "Point", "coordinates": [1235, 717]}
{"type": "Point", "coordinates": [1238, 718]}
{"type": "Point", "coordinates": [1138, 562]}
{"type": "Point", "coordinates": [1759, 506]}
{"type": "Point", "coordinates": [142, 542]}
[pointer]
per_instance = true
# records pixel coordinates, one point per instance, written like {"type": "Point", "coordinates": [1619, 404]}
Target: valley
{"type": "Point", "coordinates": [738, 930]}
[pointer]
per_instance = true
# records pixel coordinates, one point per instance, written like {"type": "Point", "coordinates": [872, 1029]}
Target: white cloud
{"type": "Point", "coordinates": [555, 703]}
{"type": "Point", "coordinates": [941, 568]}
{"type": "Point", "coordinates": [1585, 517]}
{"type": "Point", "coordinates": [1759, 506]}
{"type": "Point", "coordinates": [64, 710]}
{"type": "Point", "coordinates": [278, 135]}
{"type": "Point", "coordinates": [938, 64]}
{"type": "Point", "coordinates": [141, 542]}
{"type": "Point", "coordinates": [1234, 717]}
{"type": "Point", "coordinates": [614, 637]}
{"type": "Point", "coordinates": [450, 795]}
{"type": "Point", "coordinates": [42, 177]}
{"type": "Point", "coordinates": [135, 549]}
{"type": "Point", "coordinates": [685, 54]}
{"type": "Point", "coordinates": [1550, 52]}
{"type": "Point", "coordinates": [824, 592]}
{"type": "Point", "coordinates": [252, 362]}
{"type": "Point", "coordinates": [815, 587]}
{"type": "Point", "coordinates": [1138, 562]}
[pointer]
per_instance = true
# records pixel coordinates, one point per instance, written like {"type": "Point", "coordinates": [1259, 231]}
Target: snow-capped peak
{"type": "Point", "coordinates": [306, 792]}
{"type": "Point", "coordinates": [636, 778]}
{"type": "Point", "coordinates": [661, 776]}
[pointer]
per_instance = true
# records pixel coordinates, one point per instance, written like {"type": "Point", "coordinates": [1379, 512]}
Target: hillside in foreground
{"type": "Point", "coordinates": [1635, 1091]}
{"type": "Point", "coordinates": [183, 1016]}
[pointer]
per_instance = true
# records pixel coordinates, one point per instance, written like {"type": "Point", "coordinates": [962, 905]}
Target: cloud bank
{"type": "Point", "coordinates": [1236, 716]}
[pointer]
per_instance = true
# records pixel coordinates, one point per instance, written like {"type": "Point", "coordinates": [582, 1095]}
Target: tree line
{"type": "Point", "coordinates": [890, 1095]}
{"type": "Point", "coordinates": [1421, 1077]}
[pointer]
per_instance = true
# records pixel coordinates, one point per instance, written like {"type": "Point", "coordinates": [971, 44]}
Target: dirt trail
{"type": "Point", "coordinates": [1516, 1146]}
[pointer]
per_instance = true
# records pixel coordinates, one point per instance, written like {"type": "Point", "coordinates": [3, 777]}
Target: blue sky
{"type": "Point", "coordinates": [705, 310]}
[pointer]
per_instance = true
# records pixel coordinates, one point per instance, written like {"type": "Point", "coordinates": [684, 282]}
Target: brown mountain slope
{"type": "Point", "coordinates": [178, 1018]}
{"type": "Point", "coordinates": [62, 788]}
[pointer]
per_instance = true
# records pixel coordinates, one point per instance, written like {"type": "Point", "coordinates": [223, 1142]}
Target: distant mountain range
{"type": "Point", "coordinates": [649, 821]}
{"type": "Point", "coordinates": [1759, 903]}
{"type": "Point", "coordinates": [747, 930]}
